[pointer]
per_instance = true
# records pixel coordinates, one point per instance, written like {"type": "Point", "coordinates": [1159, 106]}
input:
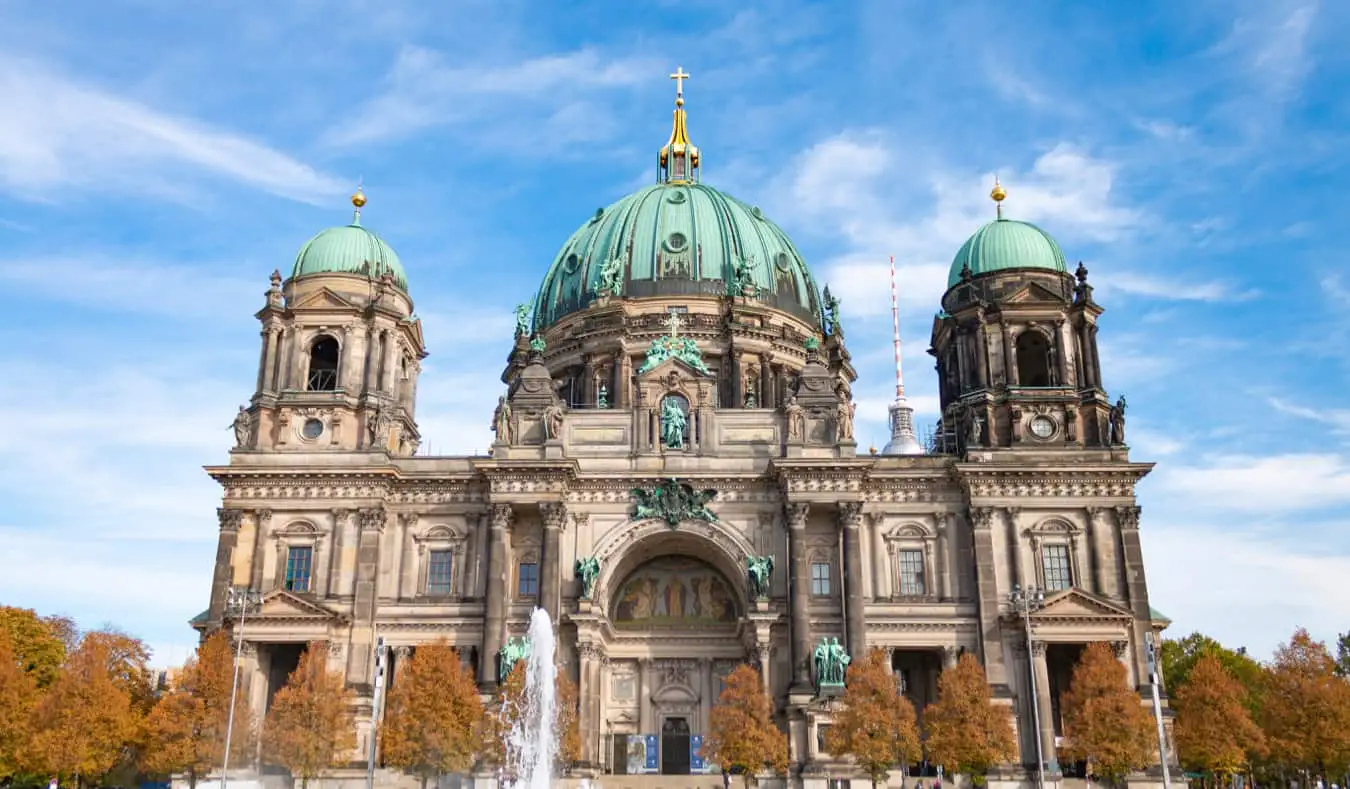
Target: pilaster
{"type": "Point", "coordinates": [495, 620]}
{"type": "Point", "coordinates": [550, 568]}
{"type": "Point", "coordinates": [987, 595]}
{"type": "Point", "coordinates": [850, 522]}
{"type": "Point", "coordinates": [801, 587]}
{"type": "Point", "coordinates": [221, 580]}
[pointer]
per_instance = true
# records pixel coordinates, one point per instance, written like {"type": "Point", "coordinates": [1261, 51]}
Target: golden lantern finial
{"type": "Point", "coordinates": [998, 194]}
{"type": "Point", "coordinates": [358, 201]}
{"type": "Point", "coordinates": [679, 159]}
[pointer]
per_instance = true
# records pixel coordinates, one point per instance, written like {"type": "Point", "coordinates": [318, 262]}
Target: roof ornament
{"type": "Point", "coordinates": [358, 201]}
{"type": "Point", "coordinates": [679, 159]}
{"type": "Point", "coordinates": [998, 194]}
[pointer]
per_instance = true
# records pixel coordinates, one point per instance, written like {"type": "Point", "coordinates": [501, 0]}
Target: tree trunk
{"type": "Point", "coordinates": [424, 781]}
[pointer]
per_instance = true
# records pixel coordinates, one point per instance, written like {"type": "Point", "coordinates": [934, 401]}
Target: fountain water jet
{"type": "Point", "coordinates": [532, 746]}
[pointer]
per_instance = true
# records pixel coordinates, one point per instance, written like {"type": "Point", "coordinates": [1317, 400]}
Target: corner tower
{"type": "Point", "coordinates": [341, 351]}
{"type": "Point", "coordinates": [1016, 345]}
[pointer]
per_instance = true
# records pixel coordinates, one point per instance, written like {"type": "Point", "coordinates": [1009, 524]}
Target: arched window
{"type": "Point", "coordinates": [1033, 359]}
{"type": "Point", "coordinates": [323, 365]}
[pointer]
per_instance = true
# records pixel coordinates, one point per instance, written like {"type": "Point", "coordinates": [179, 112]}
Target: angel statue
{"type": "Point", "coordinates": [522, 320]}
{"type": "Point", "coordinates": [761, 570]}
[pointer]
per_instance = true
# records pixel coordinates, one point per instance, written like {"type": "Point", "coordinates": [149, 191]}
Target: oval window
{"type": "Point", "coordinates": [572, 263]}
{"type": "Point", "coordinates": [677, 242]}
{"type": "Point", "coordinates": [312, 429]}
{"type": "Point", "coordinates": [781, 261]}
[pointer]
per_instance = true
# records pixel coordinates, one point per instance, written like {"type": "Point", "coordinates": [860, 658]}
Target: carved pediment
{"type": "Point", "coordinates": [281, 604]}
{"type": "Point", "coordinates": [414, 328]}
{"type": "Point", "coordinates": [324, 298]}
{"type": "Point", "coordinates": [1033, 293]}
{"type": "Point", "coordinates": [1077, 604]}
{"type": "Point", "coordinates": [673, 366]}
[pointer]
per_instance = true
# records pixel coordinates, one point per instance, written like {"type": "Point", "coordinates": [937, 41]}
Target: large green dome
{"type": "Point", "coordinates": [1007, 244]}
{"type": "Point", "coordinates": [349, 249]}
{"type": "Point", "coordinates": [672, 239]}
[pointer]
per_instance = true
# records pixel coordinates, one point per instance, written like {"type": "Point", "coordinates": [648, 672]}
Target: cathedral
{"type": "Point", "coordinates": [675, 480]}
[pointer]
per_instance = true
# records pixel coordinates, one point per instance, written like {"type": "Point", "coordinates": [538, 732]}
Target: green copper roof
{"type": "Point", "coordinates": [350, 249]}
{"type": "Point", "coordinates": [675, 239]}
{"type": "Point", "coordinates": [1007, 244]}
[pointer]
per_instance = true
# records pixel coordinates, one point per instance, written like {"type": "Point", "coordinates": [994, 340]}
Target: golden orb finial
{"type": "Point", "coordinates": [998, 194]}
{"type": "Point", "coordinates": [359, 198]}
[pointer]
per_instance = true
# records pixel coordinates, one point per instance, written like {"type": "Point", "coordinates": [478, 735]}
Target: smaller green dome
{"type": "Point", "coordinates": [349, 249]}
{"type": "Point", "coordinates": [1007, 244]}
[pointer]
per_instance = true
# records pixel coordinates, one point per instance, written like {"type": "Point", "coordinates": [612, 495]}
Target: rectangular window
{"type": "Point", "coordinates": [299, 565]}
{"type": "Point", "coordinates": [1055, 563]}
{"type": "Point", "coordinates": [438, 572]}
{"type": "Point", "coordinates": [911, 574]}
{"type": "Point", "coordinates": [528, 583]}
{"type": "Point", "coordinates": [820, 579]}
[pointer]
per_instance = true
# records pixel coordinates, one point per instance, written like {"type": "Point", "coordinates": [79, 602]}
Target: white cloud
{"type": "Point", "coordinates": [1138, 284]}
{"type": "Point", "coordinates": [56, 133]}
{"type": "Point", "coordinates": [1338, 419]}
{"type": "Point", "coordinates": [144, 288]}
{"type": "Point", "coordinates": [1243, 590]}
{"type": "Point", "coordinates": [1277, 483]}
{"type": "Point", "coordinates": [424, 89]}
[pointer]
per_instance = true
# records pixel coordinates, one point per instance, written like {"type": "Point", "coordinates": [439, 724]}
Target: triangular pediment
{"type": "Point", "coordinates": [323, 298]}
{"type": "Point", "coordinates": [281, 604]}
{"type": "Point", "coordinates": [414, 326]}
{"type": "Point", "coordinates": [675, 365]}
{"type": "Point", "coordinates": [1077, 604]}
{"type": "Point", "coordinates": [1033, 293]}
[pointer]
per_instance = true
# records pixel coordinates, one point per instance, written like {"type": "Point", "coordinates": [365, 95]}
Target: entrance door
{"type": "Point", "coordinates": [675, 747]}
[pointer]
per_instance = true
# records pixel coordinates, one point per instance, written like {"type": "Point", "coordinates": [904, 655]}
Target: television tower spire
{"type": "Point", "coordinates": [903, 440]}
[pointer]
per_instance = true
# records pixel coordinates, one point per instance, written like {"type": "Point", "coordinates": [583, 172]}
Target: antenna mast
{"type": "Point", "coordinates": [903, 440]}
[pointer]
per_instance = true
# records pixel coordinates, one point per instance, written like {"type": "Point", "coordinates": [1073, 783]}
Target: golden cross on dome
{"type": "Point", "coordinates": [679, 76]}
{"type": "Point", "coordinates": [673, 323]}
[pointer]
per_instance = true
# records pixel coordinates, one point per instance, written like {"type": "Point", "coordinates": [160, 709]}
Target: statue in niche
{"type": "Point", "coordinates": [974, 428]}
{"type": "Point", "coordinates": [501, 421]}
{"type": "Point", "coordinates": [796, 419]}
{"type": "Point", "coordinates": [374, 420]}
{"type": "Point", "coordinates": [587, 572]}
{"type": "Point", "coordinates": [673, 424]}
{"type": "Point", "coordinates": [602, 397]}
{"type": "Point", "coordinates": [1116, 422]}
{"type": "Point", "coordinates": [243, 428]}
{"type": "Point", "coordinates": [522, 320]}
{"type": "Point", "coordinates": [760, 569]}
{"type": "Point", "coordinates": [553, 421]}
{"type": "Point", "coordinates": [750, 401]}
{"type": "Point", "coordinates": [843, 419]}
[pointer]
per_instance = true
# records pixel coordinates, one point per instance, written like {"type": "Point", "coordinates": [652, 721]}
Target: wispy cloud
{"type": "Point", "coordinates": [1276, 483]}
{"type": "Point", "coordinates": [139, 287]}
{"type": "Point", "coordinates": [1338, 419]}
{"type": "Point", "coordinates": [1137, 284]}
{"type": "Point", "coordinates": [57, 133]}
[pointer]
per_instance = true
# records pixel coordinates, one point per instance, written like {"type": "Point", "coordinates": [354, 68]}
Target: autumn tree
{"type": "Point", "coordinates": [967, 734]}
{"type": "Point", "coordinates": [875, 725]}
{"type": "Point", "coordinates": [511, 700]}
{"type": "Point", "coordinates": [1306, 712]}
{"type": "Point", "coordinates": [434, 721]}
{"type": "Point", "coordinates": [741, 731]}
{"type": "Point", "coordinates": [83, 724]}
{"type": "Point", "coordinates": [128, 665]}
{"type": "Point", "coordinates": [18, 696]}
{"type": "Point", "coordinates": [1214, 729]}
{"type": "Point", "coordinates": [1179, 656]}
{"type": "Point", "coordinates": [38, 643]}
{"type": "Point", "coordinates": [1343, 655]}
{"type": "Point", "coordinates": [310, 724]}
{"type": "Point", "coordinates": [185, 731]}
{"type": "Point", "coordinates": [1105, 723]}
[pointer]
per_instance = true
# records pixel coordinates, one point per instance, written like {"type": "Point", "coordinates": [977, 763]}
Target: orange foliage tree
{"type": "Point", "coordinates": [876, 723]}
{"type": "Point", "coordinates": [741, 732]}
{"type": "Point", "coordinates": [83, 724]}
{"type": "Point", "coordinates": [1306, 708]}
{"type": "Point", "coordinates": [1214, 729]}
{"type": "Point", "coordinates": [38, 643]}
{"type": "Point", "coordinates": [18, 696]}
{"type": "Point", "coordinates": [310, 725]}
{"type": "Point", "coordinates": [128, 665]}
{"type": "Point", "coordinates": [967, 734]}
{"type": "Point", "coordinates": [185, 731]}
{"type": "Point", "coordinates": [511, 700]}
{"type": "Point", "coordinates": [1106, 724]}
{"type": "Point", "coordinates": [434, 722]}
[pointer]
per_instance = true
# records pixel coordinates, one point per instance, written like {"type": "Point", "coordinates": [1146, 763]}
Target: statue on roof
{"type": "Point", "coordinates": [243, 428]}
{"type": "Point", "coordinates": [742, 279]}
{"type": "Point", "coordinates": [501, 421]}
{"type": "Point", "coordinates": [522, 320]}
{"type": "Point", "coordinates": [1116, 422]}
{"type": "Point", "coordinates": [611, 276]}
{"type": "Point", "coordinates": [832, 317]}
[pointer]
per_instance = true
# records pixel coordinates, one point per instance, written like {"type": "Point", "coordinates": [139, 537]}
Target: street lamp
{"type": "Point", "coordinates": [239, 602]}
{"type": "Point", "coordinates": [1024, 602]}
{"type": "Point", "coordinates": [1157, 709]}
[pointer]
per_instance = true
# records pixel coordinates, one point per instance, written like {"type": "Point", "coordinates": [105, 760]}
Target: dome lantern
{"type": "Point", "coordinates": [679, 158]}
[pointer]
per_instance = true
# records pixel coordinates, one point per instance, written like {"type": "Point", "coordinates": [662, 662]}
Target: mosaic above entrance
{"type": "Point", "coordinates": [674, 593]}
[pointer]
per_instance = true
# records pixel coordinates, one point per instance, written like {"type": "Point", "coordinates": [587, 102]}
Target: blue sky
{"type": "Point", "coordinates": [158, 160]}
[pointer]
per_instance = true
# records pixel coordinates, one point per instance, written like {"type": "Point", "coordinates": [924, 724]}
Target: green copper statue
{"type": "Point", "coordinates": [811, 344]}
{"type": "Point", "coordinates": [522, 320]}
{"type": "Point", "coordinates": [673, 502]}
{"type": "Point", "coordinates": [611, 276]}
{"type": "Point", "coordinates": [673, 423]}
{"type": "Point", "coordinates": [602, 397]}
{"type": "Point", "coordinates": [516, 649]}
{"type": "Point", "coordinates": [741, 277]}
{"type": "Point", "coordinates": [587, 571]}
{"type": "Point", "coordinates": [832, 316]}
{"type": "Point", "coordinates": [761, 571]}
{"type": "Point", "coordinates": [831, 663]}
{"type": "Point", "coordinates": [537, 344]}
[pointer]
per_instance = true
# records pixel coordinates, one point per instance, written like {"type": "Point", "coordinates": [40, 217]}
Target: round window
{"type": "Point", "coordinates": [1043, 427]}
{"type": "Point", "coordinates": [781, 261]}
{"type": "Point", "coordinates": [312, 429]}
{"type": "Point", "coordinates": [676, 242]}
{"type": "Point", "coordinates": [572, 263]}
{"type": "Point", "coordinates": [676, 196]}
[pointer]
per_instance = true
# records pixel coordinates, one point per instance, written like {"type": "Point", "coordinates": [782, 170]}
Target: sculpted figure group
{"type": "Point", "coordinates": [831, 662]}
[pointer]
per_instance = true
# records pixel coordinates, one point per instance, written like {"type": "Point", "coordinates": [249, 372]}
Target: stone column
{"type": "Point", "coordinates": [391, 357]}
{"type": "Point", "coordinates": [1085, 357]}
{"type": "Point", "coordinates": [372, 355]}
{"type": "Point", "coordinates": [340, 517]}
{"type": "Point", "coordinates": [495, 620]}
{"type": "Point", "coordinates": [1065, 343]}
{"type": "Point", "coordinates": [987, 594]}
{"type": "Point", "coordinates": [623, 371]}
{"type": "Point", "coordinates": [800, 596]}
{"type": "Point", "coordinates": [981, 351]}
{"type": "Point", "coordinates": [1043, 701]}
{"type": "Point", "coordinates": [587, 723]}
{"type": "Point", "coordinates": [345, 360]}
{"type": "Point", "coordinates": [223, 577]}
{"type": "Point", "coordinates": [1009, 356]}
{"type": "Point", "coordinates": [944, 523]}
{"type": "Point", "coordinates": [1096, 362]}
{"type": "Point", "coordinates": [644, 695]}
{"type": "Point", "coordinates": [737, 379]}
{"type": "Point", "coordinates": [550, 568]}
{"type": "Point", "coordinates": [763, 653]}
{"type": "Point", "coordinates": [266, 349]}
{"type": "Point", "coordinates": [767, 397]}
{"type": "Point", "coordinates": [850, 521]}
{"type": "Point", "coordinates": [371, 524]}
{"type": "Point", "coordinates": [1136, 588]}
{"type": "Point", "coordinates": [262, 522]}
{"type": "Point", "coordinates": [881, 585]}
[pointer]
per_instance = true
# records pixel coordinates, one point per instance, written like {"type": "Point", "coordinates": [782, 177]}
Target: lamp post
{"type": "Point", "coordinates": [1157, 709]}
{"type": "Point", "coordinates": [376, 696]}
{"type": "Point", "coordinates": [1024, 602]}
{"type": "Point", "coordinates": [239, 602]}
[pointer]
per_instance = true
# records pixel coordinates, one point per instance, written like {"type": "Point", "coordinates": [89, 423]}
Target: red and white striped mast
{"type": "Point", "coordinates": [903, 441]}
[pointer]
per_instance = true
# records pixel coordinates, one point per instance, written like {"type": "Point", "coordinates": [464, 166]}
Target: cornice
{"type": "Point", "coordinates": [981, 481]}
